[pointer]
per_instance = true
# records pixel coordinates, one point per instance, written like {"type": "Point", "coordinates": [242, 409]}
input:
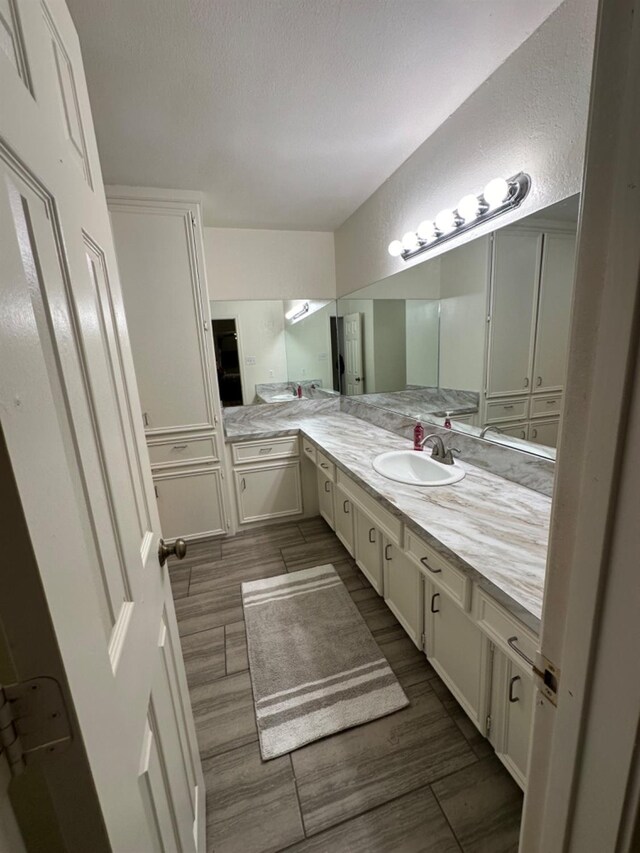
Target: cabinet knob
{"type": "Point", "coordinates": [178, 549]}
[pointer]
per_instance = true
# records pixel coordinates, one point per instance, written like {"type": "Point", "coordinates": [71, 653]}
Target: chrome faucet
{"type": "Point", "coordinates": [486, 429]}
{"type": "Point", "coordinates": [439, 452]}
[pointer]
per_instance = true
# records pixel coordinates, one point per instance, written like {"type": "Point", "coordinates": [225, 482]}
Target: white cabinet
{"type": "Point", "coordinates": [158, 238]}
{"type": "Point", "coordinates": [512, 697]}
{"type": "Point", "coordinates": [344, 519]}
{"type": "Point", "coordinates": [190, 503]}
{"type": "Point", "coordinates": [454, 646]}
{"type": "Point", "coordinates": [545, 431]}
{"type": "Point", "coordinates": [554, 309]}
{"type": "Point", "coordinates": [403, 590]}
{"type": "Point", "coordinates": [514, 287]}
{"type": "Point", "coordinates": [325, 499]}
{"type": "Point", "coordinates": [268, 491]}
{"type": "Point", "coordinates": [368, 549]}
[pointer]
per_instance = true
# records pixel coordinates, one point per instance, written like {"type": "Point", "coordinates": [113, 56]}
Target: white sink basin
{"type": "Point", "coordinates": [283, 398]}
{"type": "Point", "coordinates": [416, 468]}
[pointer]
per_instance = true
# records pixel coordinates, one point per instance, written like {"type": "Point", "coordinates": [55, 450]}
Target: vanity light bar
{"type": "Point", "coordinates": [498, 196]}
{"type": "Point", "coordinates": [296, 313]}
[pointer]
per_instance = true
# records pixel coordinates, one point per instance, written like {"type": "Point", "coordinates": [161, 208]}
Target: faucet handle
{"type": "Point", "coordinates": [448, 456]}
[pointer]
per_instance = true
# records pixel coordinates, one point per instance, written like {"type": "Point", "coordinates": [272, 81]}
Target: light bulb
{"type": "Point", "coordinates": [410, 241]}
{"type": "Point", "coordinates": [395, 248]}
{"type": "Point", "coordinates": [468, 208]}
{"type": "Point", "coordinates": [445, 221]}
{"type": "Point", "coordinates": [426, 230]}
{"type": "Point", "coordinates": [496, 191]}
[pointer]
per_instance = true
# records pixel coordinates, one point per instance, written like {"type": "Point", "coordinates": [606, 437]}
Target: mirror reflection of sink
{"type": "Point", "coordinates": [283, 398]}
{"type": "Point", "coordinates": [416, 469]}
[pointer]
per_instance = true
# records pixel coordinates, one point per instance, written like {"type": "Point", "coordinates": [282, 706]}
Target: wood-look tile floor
{"type": "Point", "coordinates": [422, 779]}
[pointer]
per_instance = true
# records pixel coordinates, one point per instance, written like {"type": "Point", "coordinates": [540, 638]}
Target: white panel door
{"type": "Point", "coordinates": [354, 380]}
{"type": "Point", "coordinates": [325, 499]}
{"type": "Point", "coordinates": [69, 409]}
{"type": "Point", "coordinates": [514, 288]}
{"type": "Point", "coordinates": [554, 312]}
{"type": "Point", "coordinates": [344, 519]}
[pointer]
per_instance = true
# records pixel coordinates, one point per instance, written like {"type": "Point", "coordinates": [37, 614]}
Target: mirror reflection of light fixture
{"type": "Point", "coordinates": [296, 313]}
{"type": "Point", "coordinates": [498, 196]}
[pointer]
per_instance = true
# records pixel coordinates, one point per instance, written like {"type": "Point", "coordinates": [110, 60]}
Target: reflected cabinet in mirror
{"type": "Point", "coordinates": [476, 337]}
{"type": "Point", "coordinates": [274, 351]}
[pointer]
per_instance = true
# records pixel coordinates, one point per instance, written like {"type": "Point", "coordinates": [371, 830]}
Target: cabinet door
{"type": "Point", "coordinates": [545, 432]}
{"type": "Point", "coordinates": [190, 503]}
{"type": "Point", "coordinates": [554, 312]}
{"type": "Point", "coordinates": [159, 270]}
{"type": "Point", "coordinates": [368, 548]}
{"type": "Point", "coordinates": [325, 499]}
{"type": "Point", "coordinates": [268, 491]}
{"type": "Point", "coordinates": [344, 510]}
{"type": "Point", "coordinates": [514, 287]}
{"type": "Point", "coordinates": [454, 647]}
{"type": "Point", "coordinates": [512, 698]}
{"type": "Point", "coordinates": [403, 590]}
{"type": "Point", "coordinates": [520, 430]}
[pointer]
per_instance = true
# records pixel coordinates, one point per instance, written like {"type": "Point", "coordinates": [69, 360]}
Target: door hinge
{"type": "Point", "coordinates": [205, 323]}
{"type": "Point", "coordinates": [34, 723]}
{"type": "Point", "coordinates": [155, 489]}
{"type": "Point", "coordinates": [193, 219]}
{"type": "Point", "coordinates": [548, 675]}
{"type": "Point", "coordinates": [488, 724]}
{"type": "Point", "coordinates": [423, 641]}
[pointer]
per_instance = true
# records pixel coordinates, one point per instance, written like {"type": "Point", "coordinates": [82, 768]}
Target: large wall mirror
{"type": "Point", "coordinates": [476, 337]}
{"type": "Point", "coordinates": [273, 351]}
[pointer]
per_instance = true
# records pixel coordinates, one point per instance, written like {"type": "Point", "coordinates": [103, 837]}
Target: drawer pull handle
{"type": "Point", "coordinates": [424, 562]}
{"type": "Point", "coordinates": [265, 450]}
{"type": "Point", "coordinates": [386, 552]}
{"type": "Point", "coordinates": [372, 532]}
{"type": "Point", "coordinates": [309, 449]}
{"type": "Point", "coordinates": [511, 642]}
{"type": "Point", "coordinates": [539, 381]}
{"type": "Point", "coordinates": [526, 381]}
{"type": "Point", "coordinates": [327, 486]}
{"type": "Point", "coordinates": [323, 465]}
{"type": "Point", "coordinates": [243, 484]}
{"type": "Point", "coordinates": [512, 683]}
{"type": "Point", "coordinates": [534, 433]}
{"type": "Point", "coordinates": [345, 507]}
{"type": "Point", "coordinates": [433, 601]}
{"type": "Point", "coordinates": [508, 407]}
{"type": "Point", "coordinates": [551, 402]}
{"type": "Point", "coordinates": [180, 446]}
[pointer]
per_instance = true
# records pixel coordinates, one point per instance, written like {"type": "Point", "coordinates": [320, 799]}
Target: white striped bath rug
{"type": "Point", "coordinates": [315, 666]}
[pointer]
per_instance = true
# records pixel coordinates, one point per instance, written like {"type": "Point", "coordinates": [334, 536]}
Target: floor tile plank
{"type": "Point", "coordinates": [207, 577]}
{"type": "Point", "coordinates": [204, 656]}
{"type": "Point", "coordinates": [235, 638]}
{"type": "Point", "coordinates": [208, 610]}
{"type": "Point", "coordinates": [224, 714]}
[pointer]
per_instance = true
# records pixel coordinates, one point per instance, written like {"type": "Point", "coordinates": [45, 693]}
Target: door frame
{"type": "Point", "coordinates": [584, 776]}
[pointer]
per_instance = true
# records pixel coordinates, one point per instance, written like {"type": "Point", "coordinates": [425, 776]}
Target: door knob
{"type": "Point", "coordinates": [178, 549]}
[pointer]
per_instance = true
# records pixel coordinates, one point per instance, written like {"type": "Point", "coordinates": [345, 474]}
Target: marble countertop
{"type": "Point", "coordinates": [494, 530]}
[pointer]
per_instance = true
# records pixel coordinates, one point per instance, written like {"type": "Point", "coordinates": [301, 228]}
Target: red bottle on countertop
{"type": "Point", "coordinates": [418, 435]}
{"type": "Point", "coordinates": [300, 392]}
{"type": "Point", "coordinates": [447, 421]}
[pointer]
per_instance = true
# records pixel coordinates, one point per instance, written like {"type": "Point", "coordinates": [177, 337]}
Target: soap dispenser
{"type": "Point", "coordinates": [447, 420]}
{"type": "Point", "coordinates": [418, 436]}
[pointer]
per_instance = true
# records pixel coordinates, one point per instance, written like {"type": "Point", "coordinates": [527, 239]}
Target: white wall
{"type": "Point", "coordinates": [308, 344]}
{"type": "Point", "coordinates": [260, 327]}
{"type": "Point", "coordinates": [244, 263]}
{"type": "Point", "coordinates": [422, 341]}
{"type": "Point", "coordinates": [464, 282]}
{"type": "Point", "coordinates": [529, 115]}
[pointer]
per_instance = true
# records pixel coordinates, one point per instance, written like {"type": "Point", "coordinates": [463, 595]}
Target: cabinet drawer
{"type": "Point", "coordinates": [257, 451]}
{"type": "Point", "coordinates": [327, 467]}
{"type": "Point", "coordinates": [542, 407]}
{"type": "Point", "coordinates": [309, 450]}
{"type": "Point", "coordinates": [383, 520]}
{"type": "Point", "coordinates": [501, 628]}
{"type": "Point", "coordinates": [181, 452]}
{"type": "Point", "coordinates": [506, 410]}
{"type": "Point", "coordinates": [444, 576]}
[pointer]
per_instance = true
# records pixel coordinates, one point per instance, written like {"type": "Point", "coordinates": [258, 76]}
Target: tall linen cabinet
{"type": "Point", "coordinates": [158, 239]}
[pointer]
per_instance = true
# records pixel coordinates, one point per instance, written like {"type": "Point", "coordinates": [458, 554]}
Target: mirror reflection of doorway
{"type": "Point", "coordinates": [225, 344]}
{"type": "Point", "coordinates": [337, 348]}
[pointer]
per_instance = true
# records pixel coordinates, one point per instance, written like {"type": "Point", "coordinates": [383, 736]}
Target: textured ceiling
{"type": "Point", "coordinates": [285, 113]}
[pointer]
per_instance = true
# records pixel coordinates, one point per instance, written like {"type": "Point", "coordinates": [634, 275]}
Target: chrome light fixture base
{"type": "Point", "coordinates": [519, 186]}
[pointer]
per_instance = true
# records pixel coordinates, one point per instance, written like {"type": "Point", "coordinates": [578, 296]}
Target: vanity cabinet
{"type": "Point", "coordinates": [403, 589]}
{"type": "Point", "coordinates": [454, 646]}
{"type": "Point", "coordinates": [512, 698]}
{"type": "Point", "coordinates": [267, 481]}
{"type": "Point", "coordinates": [325, 499]}
{"type": "Point", "coordinates": [158, 239]}
{"type": "Point", "coordinates": [344, 519]}
{"type": "Point", "coordinates": [368, 549]}
{"type": "Point", "coordinates": [545, 431]}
